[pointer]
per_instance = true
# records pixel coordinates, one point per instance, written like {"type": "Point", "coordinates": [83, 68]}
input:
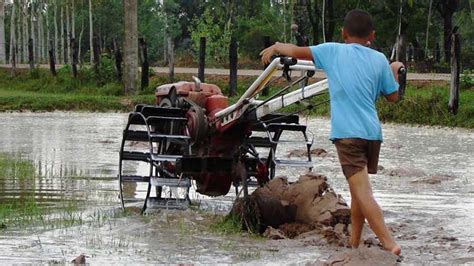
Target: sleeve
{"type": "Point", "coordinates": [323, 54]}
{"type": "Point", "coordinates": [388, 83]}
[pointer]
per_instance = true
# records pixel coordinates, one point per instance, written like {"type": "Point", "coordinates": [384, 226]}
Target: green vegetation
{"type": "Point", "coordinates": [424, 103]}
{"type": "Point", "coordinates": [429, 106]}
{"type": "Point", "coordinates": [26, 209]}
{"type": "Point", "coordinates": [42, 92]}
{"type": "Point", "coordinates": [23, 210]}
{"type": "Point", "coordinates": [229, 224]}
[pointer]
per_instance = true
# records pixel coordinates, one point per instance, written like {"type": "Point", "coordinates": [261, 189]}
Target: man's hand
{"type": "Point", "coordinates": [285, 49]}
{"type": "Point", "coordinates": [395, 67]}
{"type": "Point", "coordinates": [268, 52]}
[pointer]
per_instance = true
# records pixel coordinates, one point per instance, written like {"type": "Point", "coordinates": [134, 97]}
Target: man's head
{"type": "Point", "coordinates": [358, 27]}
{"type": "Point", "coordinates": [294, 27]}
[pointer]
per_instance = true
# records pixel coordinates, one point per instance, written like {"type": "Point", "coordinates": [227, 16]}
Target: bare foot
{"type": "Point", "coordinates": [396, 249]}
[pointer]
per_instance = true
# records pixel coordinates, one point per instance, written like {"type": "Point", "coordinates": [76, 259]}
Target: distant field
{"type": "Point", "coordinates": [425, 102]}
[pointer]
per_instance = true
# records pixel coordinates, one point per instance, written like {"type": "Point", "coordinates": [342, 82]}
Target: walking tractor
{"type": "Point", "coordinates": [192, 134]}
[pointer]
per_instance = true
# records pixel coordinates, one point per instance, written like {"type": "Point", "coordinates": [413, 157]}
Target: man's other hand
{"type": "Point", "coordinates": [395, 67]}
{"type": "Point", "coordinates": [268, 52]}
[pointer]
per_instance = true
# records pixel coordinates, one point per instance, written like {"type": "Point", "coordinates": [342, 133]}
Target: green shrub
{"type": "Point", "coordinates": [467, 79]}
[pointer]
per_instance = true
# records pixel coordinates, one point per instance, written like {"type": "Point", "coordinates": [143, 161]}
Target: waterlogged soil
{"type": "Point", "coordinates": [425, 187]}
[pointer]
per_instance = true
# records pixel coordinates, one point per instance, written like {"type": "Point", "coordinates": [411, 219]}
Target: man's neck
{"type": "Point", "coordinates": [361, 41]}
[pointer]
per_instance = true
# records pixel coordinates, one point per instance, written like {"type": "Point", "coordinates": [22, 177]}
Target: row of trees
{"type": "Point", "coordinates": [48, 23]}
{"type": "Point", "coordinates": [425, 24]}
{"type": "Point", "coordinates": [422, 25]}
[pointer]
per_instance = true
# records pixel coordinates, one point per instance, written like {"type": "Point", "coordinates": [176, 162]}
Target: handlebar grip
{"type": "Point", "coordinates": [289, 61]}
{"type": "Point", "coordinates": [402, 70]}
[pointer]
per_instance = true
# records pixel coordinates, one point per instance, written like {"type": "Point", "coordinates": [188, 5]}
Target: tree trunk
{"type": "Point", "coordinates": [26, 35]}
{"type": "Point", "coordinates": [68, 33]}
{"type": "Point", "coordinates": [170, 60]}
{"type": "Point", "coordinates": [2, 32]}
{"type": "Point", "coordinates": [48, 37]}
{"type": "Point", "coordinates": [448, 27]}
{"type": "Point", "coordinates": [61, 39]}
{"type": "Point", "coordinates": [145, 64]}
{"type": "Point", "coordinates": [447, 8]}
{"type": "Point", "coordinates": [31, 56]}
{"type": "Point", "coordinates": [91, 32]}
{"type": "Point", "coordinates": [331, 23]}
{"type": "Point", "coordinates": [19, 33]}
{"type": "Point", "coordinates": [313, 15]}
{"type": "Point", "coordinates": [233, 66]}
{"type": "Point", "coordinates": [52, 61]}
{"type": "Point", "coordinates": [401, 53]}
{"type": "Point", "coordinates": [80, 41]}
{"type": "Point", "coordinates": [13, 39]}
{"type": "Point", "coordinates": [55, 20]}
{"type": "Point", "coordinates": [96, 53]}
{"type": "Point", "coordinates": [130, 46]}
{"type": "Point", "coordinates": [74, 57]}
{"type": "Point", "coordinates": [428, 28]}
{"type": "Point", "coordinates": [455, 73]}
{"type": "Point", "coordinates": [73, 18]}
{"type": "Point", "coordinates": [40, 41]}
{"type": "Point", "coordinates": [33, 34]}
{"type": "Point", "coordinates": [202, 58]}
{"type": "Point", "coordinates": [323, 20]}
{"type": "Point", "coordinates": [266, 43]}
{"type": "Point", "coordinates": [118, 60]}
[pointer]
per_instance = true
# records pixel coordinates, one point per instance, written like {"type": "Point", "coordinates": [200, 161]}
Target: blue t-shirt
{"type": "Point", "coordinates": [357, 76]}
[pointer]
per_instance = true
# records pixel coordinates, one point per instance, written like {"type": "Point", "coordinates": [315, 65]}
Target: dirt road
{"type": "Point", "coordinates": [255, 72]}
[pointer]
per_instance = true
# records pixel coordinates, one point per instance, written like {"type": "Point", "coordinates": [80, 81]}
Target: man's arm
{"type": "Point", "coordinates": [286, 49]}
{"type": "Point", "coordinates": [394, 97]}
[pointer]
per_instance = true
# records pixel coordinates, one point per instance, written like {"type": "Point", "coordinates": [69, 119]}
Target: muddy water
{"type": "Point", "coordinates": [425, 188]}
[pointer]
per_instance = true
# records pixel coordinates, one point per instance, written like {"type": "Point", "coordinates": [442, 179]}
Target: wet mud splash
{"type": "Point", "coordinates": [288, 210]}
{"type": "Point", "coordinates": [425, 187]}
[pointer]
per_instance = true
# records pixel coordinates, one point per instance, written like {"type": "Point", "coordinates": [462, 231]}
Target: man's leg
{"type": "Point", "coordinates": [357, 222]}
{"type": "Point", "coordinates": [361, 192]}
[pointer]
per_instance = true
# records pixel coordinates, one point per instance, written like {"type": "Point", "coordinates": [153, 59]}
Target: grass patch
{"type": "Point", "coordinates": [36, 101]}
{"type": "Point", "coordinates": [22, 206]}
{"type": "Point", "coordinates": [22, 209]}
{"type": "Point", "coordinates": [227, 225]}
{"type": "Point", "coordinates": [425, 103]}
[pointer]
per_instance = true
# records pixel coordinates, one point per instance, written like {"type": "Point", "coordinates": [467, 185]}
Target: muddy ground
{"type": "Point", "coordinates": [425, 187]}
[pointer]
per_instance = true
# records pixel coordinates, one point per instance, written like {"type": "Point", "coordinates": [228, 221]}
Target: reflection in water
{"type": "Point", "coordinates": [76, 156]}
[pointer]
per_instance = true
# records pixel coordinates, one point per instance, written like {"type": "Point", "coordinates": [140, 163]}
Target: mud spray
{"type": "Point", "coordinates": [309, 210]}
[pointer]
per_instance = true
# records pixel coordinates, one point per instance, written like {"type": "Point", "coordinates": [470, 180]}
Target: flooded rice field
{"type": "Point", "coordinates": [425, 187]}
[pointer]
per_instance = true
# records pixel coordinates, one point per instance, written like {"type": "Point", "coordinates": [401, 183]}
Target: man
{"type": "Point", "coordinates": [300, 38]}
{"type": "Point", "coordinates": [357, 75]}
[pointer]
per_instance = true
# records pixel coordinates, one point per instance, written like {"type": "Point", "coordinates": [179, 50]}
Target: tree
{"type": "Point", "coordinates": [446, 9]}
{"type": "Point", "coordinates": [91, 33]}
{"type": "Point", "coordinates": [61, 47]}
{"type": "Point", "coordinates": [68, 33]}
{"type": "Point", "coordinates": [2, 32]}
{"type": "Point", "coordinates": [13, 38]}
{"type": "Point", "coordinates": [32, 31]}
{"type": "Point", "coordinates": [55, 21]}
{"type": "Point", "coordinates": [130, 46]}
{"type": "Point", "coordinates": [314, 13]}
{"type": "Point", "coordinates": [26, 35]}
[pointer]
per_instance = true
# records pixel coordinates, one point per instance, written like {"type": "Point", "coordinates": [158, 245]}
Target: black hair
{"type": "Point", "coordinates": [358, 23]}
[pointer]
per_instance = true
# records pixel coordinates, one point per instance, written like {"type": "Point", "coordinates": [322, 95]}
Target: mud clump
{"type": "Point", "coordinates": [404, 172]}
{"type": "Point", "coordinates": [318, 152]}
{"type": "Point", "coordinates": [294, 209]}
{"type": "Point", "coordinates": [433, 180]}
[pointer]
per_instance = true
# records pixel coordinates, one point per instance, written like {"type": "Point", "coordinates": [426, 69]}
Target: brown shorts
{"type": "Point", "coordinates": [355, 154]}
